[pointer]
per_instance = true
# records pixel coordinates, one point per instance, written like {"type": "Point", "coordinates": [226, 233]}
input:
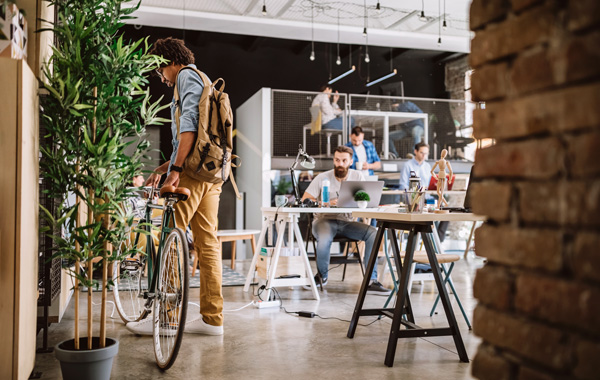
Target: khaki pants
{"type": "Point", "coordinates": [200, 212]}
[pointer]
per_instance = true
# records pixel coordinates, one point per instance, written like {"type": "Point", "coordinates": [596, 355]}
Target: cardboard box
{"type": "Point", "coordinates": [287, 265]}
{"type": "Point", "coordinates": [13, 33]}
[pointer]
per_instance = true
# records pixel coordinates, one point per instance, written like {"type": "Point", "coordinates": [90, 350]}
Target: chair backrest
{"type": "Point", "coordinates": [315, 119]}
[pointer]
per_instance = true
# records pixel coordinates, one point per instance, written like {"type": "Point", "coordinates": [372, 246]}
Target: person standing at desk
{"type": "Point", "coordinates": [364, 152]}
{"type": "Point", "coordinates": [331, 114]}
{"type": "Point", "coordinates": [326, 226]}
{"type": "Point", "coordinates": [415, 127]}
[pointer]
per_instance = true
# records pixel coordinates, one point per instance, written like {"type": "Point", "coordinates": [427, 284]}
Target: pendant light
{"type": "Point", "coordinates": [439, 42]}
{"type": "Point", "coordinates": [444, 25]}
{"type": "Point", "coordinates": [312, 31]}
{"type": "Point", "coordinates": [366, 21]}
{"type": "Point", "coordinates": [264, 8]}
{"type": "Point", "coordinates": [338, 61]}
{"type": "Point", "coordinates": [422, 16]}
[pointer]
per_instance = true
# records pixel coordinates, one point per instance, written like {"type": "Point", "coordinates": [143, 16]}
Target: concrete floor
{"type": "Point", "coordinates": [268, 343]}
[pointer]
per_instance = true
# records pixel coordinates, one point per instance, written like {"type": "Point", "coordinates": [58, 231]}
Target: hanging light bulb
{"type": "Point", "coordinates": [338, 61]}
{"type": "Point", "coordinates": [439, 41]}
{"type": "Point", "coordinates": [364, 32]}
{"type": "Point", "coordinates": [444, 25]}
{"type": "Point", "coordinates": [312, 55]}
{"type": "Point", "coordinates": [422, 16]}
{"type": "Point", "coordinates": [312, 32]}
{"type": "Point", "coordinates": [366, 20]}
{"type": "Point", "coordinates": [378, 7]}
{"type": "Point", "coordinates": [264, 9]}
{"type": "Point", "coordinates": [367, 59]}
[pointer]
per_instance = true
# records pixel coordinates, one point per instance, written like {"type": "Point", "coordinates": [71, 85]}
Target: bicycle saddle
{"type": "Point", "coordinates": [181, 193]}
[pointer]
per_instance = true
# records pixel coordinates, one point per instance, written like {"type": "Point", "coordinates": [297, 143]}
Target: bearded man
{"type": "Point", "coordinates": [328, 226]}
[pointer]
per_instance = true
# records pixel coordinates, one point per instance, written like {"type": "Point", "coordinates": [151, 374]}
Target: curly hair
{"type": "Point", "coordinates": [174, 50]}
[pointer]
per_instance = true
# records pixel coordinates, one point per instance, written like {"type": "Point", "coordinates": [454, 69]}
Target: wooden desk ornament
{"type": "Point", "coordinates": [441, 180]}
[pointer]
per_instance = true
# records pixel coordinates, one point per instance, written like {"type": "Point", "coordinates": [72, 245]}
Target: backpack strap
{"type": "Point", "coordinates": [207, 87]}
{"type": "Point", "coordinates": [234, 165]}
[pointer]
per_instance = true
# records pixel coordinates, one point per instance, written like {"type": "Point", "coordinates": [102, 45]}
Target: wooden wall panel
{"type": "Point", "coordinates": [18, 218]}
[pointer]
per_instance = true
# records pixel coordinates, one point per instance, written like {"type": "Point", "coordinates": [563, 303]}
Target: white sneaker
{"type": "Point", "coordinates": [144, 327]}
{"type": "Point", "coordinates": [198, 326]}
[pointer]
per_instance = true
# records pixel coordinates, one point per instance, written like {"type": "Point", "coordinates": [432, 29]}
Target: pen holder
{"type": "Point", "coordinates": [415, 201]}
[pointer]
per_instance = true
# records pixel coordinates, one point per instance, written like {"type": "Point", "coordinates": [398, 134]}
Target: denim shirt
{"type": "Point", "coordinates": [190, 87]}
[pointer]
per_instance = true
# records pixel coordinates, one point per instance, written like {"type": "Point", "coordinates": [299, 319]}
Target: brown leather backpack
{"type": "Point", "coordinates": [211, 160]}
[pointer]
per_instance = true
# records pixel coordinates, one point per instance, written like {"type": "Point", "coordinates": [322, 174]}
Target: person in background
{"type": "Point", "coordinates": [417, 164]}
{"type": "Point", "coordinates": [326, 226]}
{"type": "Point", "coordinates": [415, 127]}
{"type": "Point", "coordinates": [364, 152]}
{"type": "Point", "coordinates": [331, 113]}
{"type": "Point", "coordinates": [422, 169]}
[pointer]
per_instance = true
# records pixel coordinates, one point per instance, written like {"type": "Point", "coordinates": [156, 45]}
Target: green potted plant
{"type": "Point", "coordinates": [94, 117]}
{"type": "Point", "coordinates": [361, 198]}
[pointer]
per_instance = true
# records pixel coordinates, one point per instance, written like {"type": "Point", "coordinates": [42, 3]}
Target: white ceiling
{"type": "Point", "coordinates": [396, 25]}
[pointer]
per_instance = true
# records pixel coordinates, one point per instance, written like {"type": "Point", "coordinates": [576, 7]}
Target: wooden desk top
{"type": "Point", "coordinates": [313, 210]}
{"type": "Point", "coordinates": [394, 215]}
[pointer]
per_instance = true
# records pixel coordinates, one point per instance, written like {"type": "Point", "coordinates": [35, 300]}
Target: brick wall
{"type": "Point", "coordinates": [537, 67]}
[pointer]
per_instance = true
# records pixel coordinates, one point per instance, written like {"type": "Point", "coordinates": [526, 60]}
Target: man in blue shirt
{"type": "Point", "coordinates": [201, 208]}
{"type": "Point", "coordinates": [415, 127]}
{"type": "Point", "coordinates": [364, 152]}
{"type": "Point", "coordinates": [417, 164]}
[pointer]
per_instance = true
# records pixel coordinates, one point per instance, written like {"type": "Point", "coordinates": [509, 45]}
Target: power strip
{"type": "Point", "coordinates": [266, 304]}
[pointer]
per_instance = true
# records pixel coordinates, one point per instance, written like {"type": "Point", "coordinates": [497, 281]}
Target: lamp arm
{"type": "Point", "coordinates": [295, 186]}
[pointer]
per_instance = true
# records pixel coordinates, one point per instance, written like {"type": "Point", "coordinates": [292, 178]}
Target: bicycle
{"type": "Point", "coordinates": [165, 293]}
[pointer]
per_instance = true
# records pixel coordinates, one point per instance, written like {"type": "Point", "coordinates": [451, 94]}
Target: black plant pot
{"type": "Point", "coordinates": [94, 364]}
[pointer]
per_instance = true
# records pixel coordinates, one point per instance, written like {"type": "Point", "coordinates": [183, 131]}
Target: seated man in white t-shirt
{"type": "Point", "coordinates": [327, 226]}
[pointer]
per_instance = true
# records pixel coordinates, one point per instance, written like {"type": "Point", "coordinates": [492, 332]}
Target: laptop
{"type": "Point", "coordinates": [371, 178]}
{"type": "Point", "coordinates": [433, 183]}
{"type": "Point", "coordinates": [467, 205]}
{"type": "Point", "coordinates": [349, 188]}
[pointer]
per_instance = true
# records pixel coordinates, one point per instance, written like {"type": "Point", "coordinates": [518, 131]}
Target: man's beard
{"type": "Point", "coordinates": [340, 172]}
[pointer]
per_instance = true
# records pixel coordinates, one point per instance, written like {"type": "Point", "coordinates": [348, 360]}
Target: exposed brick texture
{"type": "Point", "coordinates": [560, 301]}
{"type": "Point", "coordinates": [491, 199]}
{"type": "Point", "coordinates": [484, 11]}
{"type": "Point", "coordinates": [520, 247]}
{"type": "Point", "coordinates": [491, 82]}
{"type": "Point", "coordinates": [493, 286]}
{"type": "Point", "coordinates": [489, 365]}
{"type": "Point", "coordinates": [536, 159]}
{"type": "Point", "coordinates": [537, 67]}
{"type": "Point", "coordinates": [586, 256]}
{"type": "Point", "coordinates": [557, 111]}
{"type": "Point", "coordinates": [516, 33]}
{"type": "Point", "coordinates": [531, 340]}
{"type": "Point", "coordinates": [588, 353]}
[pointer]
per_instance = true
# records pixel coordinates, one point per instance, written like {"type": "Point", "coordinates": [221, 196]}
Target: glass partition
{"type": "Point", "coordinates": [393, 124]}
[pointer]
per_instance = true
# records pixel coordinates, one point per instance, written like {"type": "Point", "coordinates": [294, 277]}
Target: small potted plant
{"type": "Point", "coordinates": [362, 198]}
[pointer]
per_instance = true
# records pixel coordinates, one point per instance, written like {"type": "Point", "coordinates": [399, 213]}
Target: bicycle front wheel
{"type": "Point", "coordinates": [129, 283]}
{"type": "Point", "coordinates": [171, 299]}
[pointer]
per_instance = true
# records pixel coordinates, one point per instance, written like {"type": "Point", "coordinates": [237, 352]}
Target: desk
{"type": "Point", "coordinates": [414, 223]}
{"type": "Point", "coordinates": [287, 217]}
{"type": "Point", "coordinates": [433, 192]}
{"type": "Point", "coordinates": [384, 118]}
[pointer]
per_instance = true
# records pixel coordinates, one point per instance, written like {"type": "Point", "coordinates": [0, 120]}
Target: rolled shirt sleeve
{"type": "Point", "coordinates": [190, 88]}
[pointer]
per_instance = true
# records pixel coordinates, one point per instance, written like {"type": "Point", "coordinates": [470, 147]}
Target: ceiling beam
{"type": "Point", "coordinates": [429, 23]}
{"type": "Point", "coordinates": [403, 19]}
{"type": "Point", "coordinates": [251, 43]}
{"type": "Point", "coordinates": [395, 53]}
{"type": "Point", "coordinates": [249, 7]}
{"type": "Point", "coordinates": [284, 8]}
{"type": "Point", "coordinates": [300, 46]}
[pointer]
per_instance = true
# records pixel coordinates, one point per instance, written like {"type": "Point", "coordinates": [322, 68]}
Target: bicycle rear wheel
{"type": "Point", "coordinates": [129, 282]}
{"type": "Point", "coordinates": [171, 299]}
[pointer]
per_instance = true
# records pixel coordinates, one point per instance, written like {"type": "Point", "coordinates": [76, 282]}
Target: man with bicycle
{"type": "Point", "coordinates": [200, 210]}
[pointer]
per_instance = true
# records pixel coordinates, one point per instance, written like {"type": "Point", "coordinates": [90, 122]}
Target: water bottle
{"type": "Point", "coordinates": [414, 181]}
{"type": "Point", "coordinates": [325, 193]}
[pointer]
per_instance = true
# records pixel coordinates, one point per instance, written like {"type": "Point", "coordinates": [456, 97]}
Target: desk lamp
{"type": "Point", "coordinates": [307, 162]}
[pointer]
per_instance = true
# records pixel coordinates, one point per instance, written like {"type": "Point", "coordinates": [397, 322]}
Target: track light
{"type": "Point", "coordinates": [382, 78]}
{"type": "Point", "coordinates": [342, 75]}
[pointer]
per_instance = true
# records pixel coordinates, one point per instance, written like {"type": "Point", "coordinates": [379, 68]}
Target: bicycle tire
{"type": "Point", "coordinates": [169, 310]}
{"type": "Point", "coordinates": [129, 283]}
